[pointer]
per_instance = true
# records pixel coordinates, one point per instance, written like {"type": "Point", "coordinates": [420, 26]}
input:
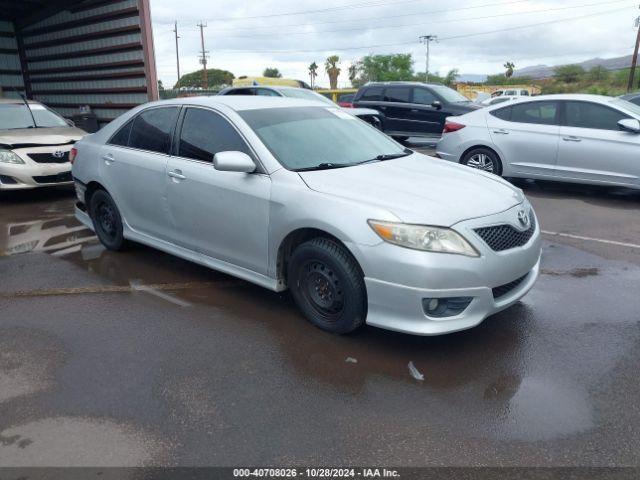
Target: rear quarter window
{"type": "Point", "coordinates": [502, 113]}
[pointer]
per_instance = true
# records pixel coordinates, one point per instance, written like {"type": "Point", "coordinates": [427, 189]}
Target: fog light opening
{"type": "Point", "coordinates": [445, 307]}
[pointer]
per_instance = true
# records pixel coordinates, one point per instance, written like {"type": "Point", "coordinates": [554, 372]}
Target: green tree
{"type": "Point", "coordinates": [271, 73]}
{"type": "Point", "coordinates": [160, 86]}
{"type": "Point", "coordinates": [509, 66]}
{"type": "Point", "coordinates": [333, 70]}
{"type": "Point", "coordinates": [313, 73]}
{"type": "Point", "coordinates": [598, 74]}
{"type": "Point", "coordinates": [451, 77]}
{"type": "Point", "coordinates": [382, 68]}
{"type": "Point", "coordinates": [568, 73]}
{"type": "Point", "coordinates": [215, 77]}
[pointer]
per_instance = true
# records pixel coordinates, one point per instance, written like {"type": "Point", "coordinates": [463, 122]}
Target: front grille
{"type": "Point", "coordinates": [59, 178]}
{"type": "Point", "coordinates": [49, 157]}
{"type": "Point", "coordinates": [502, 290]}
{"type": "Point", "coordinates": [504, 237]}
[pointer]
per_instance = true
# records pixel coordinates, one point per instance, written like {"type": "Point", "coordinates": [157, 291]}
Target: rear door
{"type": "Point", "coordinates": [397, 109]}
{"type": "Point", "coordinates": [592, 147]}
{"type": "Point", "coordinates": [224, 215]}
{"type": "Point", "coordinates": [526, 135]}
{"type": "Point", "coordinates": [133, 168]}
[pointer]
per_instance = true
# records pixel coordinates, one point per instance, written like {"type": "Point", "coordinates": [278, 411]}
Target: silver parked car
{"type": "Point", "coordinates": [292, 194]}
{"type": "Point", "coordinates": [572, 138]}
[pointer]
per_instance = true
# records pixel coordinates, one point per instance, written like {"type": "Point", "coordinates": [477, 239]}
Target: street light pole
{"type": "Point", "coordinates": [427, 39]}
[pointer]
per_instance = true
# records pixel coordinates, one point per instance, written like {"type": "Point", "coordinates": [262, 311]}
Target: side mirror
{"type": "Point", "coordinates": [437, 104]}
{"type": "Point", "coordinates": [233, 162]}
{"type": "Point", "coordinates": [629, 125]}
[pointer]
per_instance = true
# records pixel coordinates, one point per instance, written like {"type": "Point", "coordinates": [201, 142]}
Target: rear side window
{"type": "Point", "coordinates": [205, 133]}
{"type": "Point", "coordinates": [502, 113]}
{"type": "Point", "coordinates": [398, 94]}
{"type": "Point", "coordinates": [264, 92]}
{"type": "Point", "coordinates": [592, 115]}
{"type": "Point", "coordinates": [371, 94]}
{"type": "Point", "coordinates": [121, 137]}
{"type": "Point", "coordinates": [524, 93]}
{"type": "Point", "coordinates": [539, 113]}
{"type": "Point", "coordinates": [241, 91]}
{"type": "Point", "coordinates": [152, 129]}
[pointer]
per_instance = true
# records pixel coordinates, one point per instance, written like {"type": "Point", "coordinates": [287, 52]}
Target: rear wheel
{"type": "Point", "coordinates": [483, 159]}
{"type": "Point", "coordinates": [107, 221]}
{"type": "Point", "coordinates": [327, 285]}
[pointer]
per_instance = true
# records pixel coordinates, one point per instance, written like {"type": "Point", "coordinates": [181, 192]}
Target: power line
{"type": "Point", "coordinates": [397, 44]}
{"type": "Point", "coordinates": [456, 20]}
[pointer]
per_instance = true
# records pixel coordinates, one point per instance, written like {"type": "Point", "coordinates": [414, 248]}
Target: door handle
{"type": "Point", "coordinates": [414, 110]}
{"type": "Point", "coordinates": [571, 139]}
{"type": "Point", "coordinates": [501, 132]}
{"type": "Point", "coordinates": [176, 174]}
{"type": "Point", "coordinates": [108, 159]}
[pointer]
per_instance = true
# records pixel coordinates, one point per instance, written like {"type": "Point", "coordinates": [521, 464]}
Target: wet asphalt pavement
{"type": "Point", "coordinates": [140, 358]}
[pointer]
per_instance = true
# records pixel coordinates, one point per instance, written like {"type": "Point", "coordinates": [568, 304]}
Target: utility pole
{"type": "Point", "coordinates": [175, 30]}
{"type": "Point", "coordinates": [427, 39]}
{"type": "Point", "coordinates": [203, 58]}
{"type": "Point", "coordinates": [634, 60]}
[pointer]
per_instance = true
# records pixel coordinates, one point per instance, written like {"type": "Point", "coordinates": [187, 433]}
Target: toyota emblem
{"type": "Point", "coordinates": [58, 154]}
{"type": "Point", "coordinates": [523, 218]}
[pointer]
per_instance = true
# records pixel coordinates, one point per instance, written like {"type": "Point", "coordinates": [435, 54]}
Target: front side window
{"type": "Point", "coordinates": [423, 96]}
{"type": "Point", "coordinates": [152, 129]}
{"type": "Point", "coordinates": [205, 133]}
{"type": "Point", "coordinates": [398, 94]}
{"type": "Point", "coordinates": [310, 137]}
{"type": "Point", "coordinates": [539, 113]}
{"type": "Point", "coordinates": [241, 91]}
{"type": "Point", "coordinates": [592, 115]}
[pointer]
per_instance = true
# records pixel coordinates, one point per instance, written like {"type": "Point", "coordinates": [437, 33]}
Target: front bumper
{"type": "Point", "coordinates": [32, 174]}
{"type": "Point", "coordinates": [398, 280]}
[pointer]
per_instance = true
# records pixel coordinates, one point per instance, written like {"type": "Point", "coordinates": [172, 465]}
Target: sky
{"type": "Point", "coordinates": [475, 36]}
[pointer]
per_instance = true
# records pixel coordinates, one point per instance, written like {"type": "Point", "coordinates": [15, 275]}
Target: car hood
{"type": "Point", "coordinates": [419, 189]}
{"type": "Point", "coordinates": [24, 137]}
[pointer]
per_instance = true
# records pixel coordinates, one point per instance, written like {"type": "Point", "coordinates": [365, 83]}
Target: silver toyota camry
{"type": "Point", "coordinates": [294, 194]}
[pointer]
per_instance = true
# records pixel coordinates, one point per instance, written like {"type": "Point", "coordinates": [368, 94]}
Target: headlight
{"type": "Point", "coordinates": [7, 156]}
{"type": "Point", "coordinates": [423, 237]}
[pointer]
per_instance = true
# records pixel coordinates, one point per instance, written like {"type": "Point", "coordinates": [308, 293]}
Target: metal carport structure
{"type": "Point", "coordinates": [72, 53]}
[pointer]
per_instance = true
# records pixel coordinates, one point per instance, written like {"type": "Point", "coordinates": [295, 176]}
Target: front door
{"type": "Point", "coordinates": [426, 118]}
{"type": "Point", "coordinates": [224, 215]}
{"type": "Point", "coordinates": [397, 110]}
{"type": "Point", "coordinates": [594, 149]}
{"type": "Point", "coordinates": [526, 136]}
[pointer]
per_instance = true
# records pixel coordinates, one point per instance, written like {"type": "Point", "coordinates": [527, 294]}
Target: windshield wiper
{"type": "Point", "coordinates": [324, 166]}
{"type": "Point", "coordinates": [388, 156]}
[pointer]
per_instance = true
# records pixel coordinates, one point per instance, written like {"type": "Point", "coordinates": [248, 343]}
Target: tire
{"type": "Point", "coordinates": [483, 159]}
{"type": "Point", "coordinates": [327, 285]}
{"type": "Point", "coordinates": [107, 221]}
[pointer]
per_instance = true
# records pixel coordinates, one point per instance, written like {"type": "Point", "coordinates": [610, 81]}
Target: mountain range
{"type": "Point", "coordinates": [545, 71]}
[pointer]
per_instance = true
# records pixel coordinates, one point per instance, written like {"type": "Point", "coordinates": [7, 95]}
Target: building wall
{"type": "Point", "coordinates": [95, 53]}
{"type": "Point", "coordinates": [11, 81]}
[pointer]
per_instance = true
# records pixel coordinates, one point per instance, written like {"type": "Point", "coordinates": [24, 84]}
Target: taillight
{"type": "Point", "coordinates": [72, 155]}
{"type": "Point", "coordinates": [450, 127]}
{"type": "Point", "coordinates": [346, 104]}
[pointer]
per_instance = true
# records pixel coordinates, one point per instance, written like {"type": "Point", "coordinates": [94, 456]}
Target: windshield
{"type": "Point", "coordinates": [306, 94]}
{"type": "Point", "coordinates": [311, 137]}
{"type": "Point", "coordinates": [449, 95]}
{"type": "Point", "coordinates": [16, 115]}
{"type": "Point", "coordinates": [632, 107]}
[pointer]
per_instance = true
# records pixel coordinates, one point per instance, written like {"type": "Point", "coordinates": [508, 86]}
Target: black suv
{"type": "Point", "coordinates": [413, 109]}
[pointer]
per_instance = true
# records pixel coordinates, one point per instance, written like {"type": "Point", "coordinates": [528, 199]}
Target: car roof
{"type": "Point", "coordinates": [572, 96]}
{"type": "Point", "coordinates": [242, 102]}
{"type": "Point", "coordinates": [390, 84]}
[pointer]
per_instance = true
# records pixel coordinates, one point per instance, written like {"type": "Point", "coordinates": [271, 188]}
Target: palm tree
{"type": "Point", "coordinates": [313, 73]}
{"type": "Point", "coordinates": [509, 66]}
{"type": "Point", "coordinates": [332, 69]}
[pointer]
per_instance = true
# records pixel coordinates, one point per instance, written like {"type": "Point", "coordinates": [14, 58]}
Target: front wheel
{"type": "Point", "coordinates": [483, 159]}
{"type": "Point", "coordinates": [107, 221]}
{"type": "Point", "coordinates": [327, 285]}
